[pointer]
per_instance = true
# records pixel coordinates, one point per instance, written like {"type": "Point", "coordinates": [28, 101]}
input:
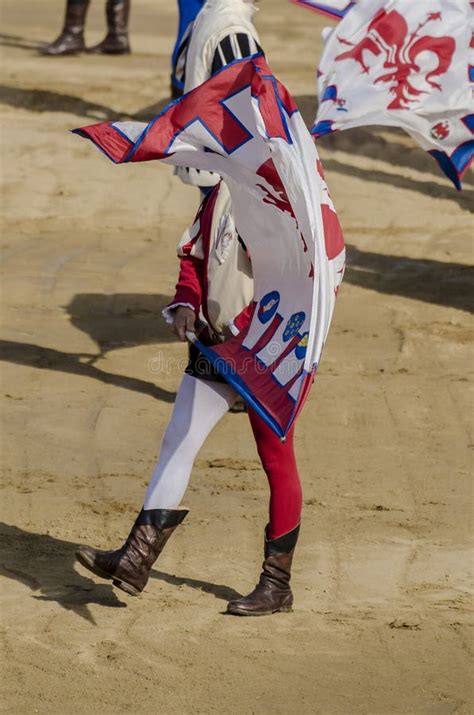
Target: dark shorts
{"type": "Point", "coordinates": [200, 367]}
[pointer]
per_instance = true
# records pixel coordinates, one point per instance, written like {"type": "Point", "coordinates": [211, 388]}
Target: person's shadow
{"type": "Point", "coordinates": [46, 100]}
{"type": "Point", "coordinates": [112, 321]}
{"type": "Point", "coordinates": [220, 591]}
{"type": "Point", "coordinates": [45, 565]}
{"type": "Point", "coordinates": [82, 364]}
{"type": "Point", "coordinates": [23, 43]}
{"type": "Point", "coordinates": [437, 282]}
{"type": "Point", "coordinates": [120, 320]}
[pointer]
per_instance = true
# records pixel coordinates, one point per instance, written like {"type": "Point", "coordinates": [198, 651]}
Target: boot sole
{"type": "Point", "coordinates": [123, 585]}
{"type": "Point", "coordinates": [284, 609]}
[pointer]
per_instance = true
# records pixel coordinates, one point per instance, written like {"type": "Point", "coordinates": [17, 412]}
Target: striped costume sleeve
{"type": "Point", "coordinates": [234, 47]}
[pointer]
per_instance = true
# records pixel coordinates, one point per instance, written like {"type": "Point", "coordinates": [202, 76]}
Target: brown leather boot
{"type": "Point", "coordinates": [71, 39]}
{"type": "Point", "coordinates": [129, 567]}
{"type": "Point", "coordinates": [272, 594]}
{"type": "Point", "coordinates": [116, 40]}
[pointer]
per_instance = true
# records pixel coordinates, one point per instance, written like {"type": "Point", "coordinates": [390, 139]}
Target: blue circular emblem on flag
{"type": "Point", "coordinates": [300, 350]}
{"type": "Point", "coordinates": [268, 306]}
{"type": "Point", "coordinates": [293, 325]}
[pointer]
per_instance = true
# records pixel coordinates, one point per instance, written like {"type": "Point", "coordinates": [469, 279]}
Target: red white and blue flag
{"type": "Point", "coordinates": [405, 64]}
{"type": "Point", "coordinates": [243, 124]}
{"type": "Point", "coordinates": [335, 9]}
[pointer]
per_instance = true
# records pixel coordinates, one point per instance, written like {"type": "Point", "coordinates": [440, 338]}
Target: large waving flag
{"type": "Point", "coordinates": [335, 9]}
{"type": "Point", "coordinates": [401, 63]}
{"type": "Point", "coordinates": [243, 124]}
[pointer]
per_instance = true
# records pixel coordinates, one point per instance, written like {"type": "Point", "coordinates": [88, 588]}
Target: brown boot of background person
{"type": "Point", "coordinates": [71, 39]}
{"type": "Point", "coordinates": [272, 594]}
{"type": "Point", "coordinates": [129, 567]}
{"type": "Point", "coordinates": [116, 39]}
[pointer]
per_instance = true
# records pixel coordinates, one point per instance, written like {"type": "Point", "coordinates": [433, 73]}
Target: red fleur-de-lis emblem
{"type": "Point", "coordinates": [387, 34]}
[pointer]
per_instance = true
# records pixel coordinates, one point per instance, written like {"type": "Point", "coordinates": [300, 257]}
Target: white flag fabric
{"type": "Point", "coordinates": [243, 124]}
{"type": "Point", "coordinates": [335, 9]}
{"type": "Point", "coordinates": [405, 64]}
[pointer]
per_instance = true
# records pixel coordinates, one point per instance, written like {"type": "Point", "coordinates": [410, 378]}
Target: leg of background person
{"type": "Point", "coordinates": [116, 40]}
{"type": "Point", "coordinates": [71, 39]}
{"type": "Point", "coordinates": [279, 462]}
{"type": "Point", "coordinates": [199, 406]}
{"type": "Point", "coordinates": [187, 10]}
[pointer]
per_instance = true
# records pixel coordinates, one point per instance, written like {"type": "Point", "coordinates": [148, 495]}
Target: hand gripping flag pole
{"type": "Point", "coordinates": [243, 124]}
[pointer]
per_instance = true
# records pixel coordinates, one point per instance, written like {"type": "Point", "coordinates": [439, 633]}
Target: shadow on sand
{"type": "Point", "coordinates": [23, 43]}
{"type": "Point", "coordinates": [224, 593]}
{"type": "Point", "coordinates": [448, 284]}
{"type": "Point", "coordinates": [112, 321]}
{"type": "Point", "coordinates": [76, 364]}
{"type": "Point", "coordinates": [121, 319]}
{"type": "Point", "coordinates": [42, 100]}
{"type": "Point", "coordinates": [46, 564]}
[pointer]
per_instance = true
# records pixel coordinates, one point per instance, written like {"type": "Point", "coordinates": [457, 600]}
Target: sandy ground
{"type": "Point", "coordinates": [382, 573]}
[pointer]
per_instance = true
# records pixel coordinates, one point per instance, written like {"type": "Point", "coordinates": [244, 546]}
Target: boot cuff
{"type": "Point", "coordinates": [282, 544]}
{"type": "Point", "coordinates": [162, 518]}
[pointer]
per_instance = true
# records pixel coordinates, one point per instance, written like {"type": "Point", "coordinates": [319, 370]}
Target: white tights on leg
{"type": "Point", "coordinates": [198, 408]}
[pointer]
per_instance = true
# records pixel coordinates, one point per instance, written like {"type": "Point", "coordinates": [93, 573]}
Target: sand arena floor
{"type": "Point", "coordinates": [382, 573]}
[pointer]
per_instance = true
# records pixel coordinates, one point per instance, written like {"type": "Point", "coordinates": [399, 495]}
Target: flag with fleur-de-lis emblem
{"type": "Point", "coordinates": [243, 124]}
{"type": "Point", "coordinates": [404, 64]}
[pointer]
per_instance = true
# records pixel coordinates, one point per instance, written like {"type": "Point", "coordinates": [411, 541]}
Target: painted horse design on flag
{"type": "Point", "coordinates": [395, 63]}
{"type": "Point", "coordinates": [243, 124]}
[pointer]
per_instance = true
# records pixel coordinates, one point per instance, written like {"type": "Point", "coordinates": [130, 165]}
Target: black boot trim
{"type": "Point", "coordinates": [161, 518]}
{"type": "Point", "coordinates": [282, 544]}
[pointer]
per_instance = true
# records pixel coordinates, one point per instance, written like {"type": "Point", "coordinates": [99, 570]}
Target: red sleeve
{"type": "Point", "coordinates": [189, 285]}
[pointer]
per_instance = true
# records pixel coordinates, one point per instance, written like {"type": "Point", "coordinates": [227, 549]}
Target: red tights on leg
{"type": "Point", "coordinates": [279, 462]}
